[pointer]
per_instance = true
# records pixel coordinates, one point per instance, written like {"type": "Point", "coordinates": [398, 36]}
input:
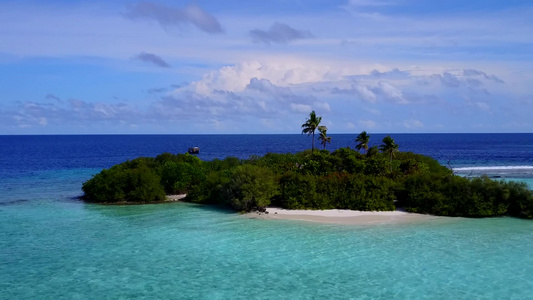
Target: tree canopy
{"type": "Point", "coordinates": [343, 179]}
{"type": "Point", "coordinates": [389, 147]}
{"type": "Point", "coordinates": [362, 141]}
{"type": "Point", "coordinates": [323, 137]}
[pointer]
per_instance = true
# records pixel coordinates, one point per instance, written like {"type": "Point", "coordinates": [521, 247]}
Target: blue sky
{"type": "Point", "coordinates": [384, 66]}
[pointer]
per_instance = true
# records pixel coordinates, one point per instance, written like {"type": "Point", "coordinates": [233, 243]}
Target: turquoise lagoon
{"type": "Point", "coordinates": [69, 250]}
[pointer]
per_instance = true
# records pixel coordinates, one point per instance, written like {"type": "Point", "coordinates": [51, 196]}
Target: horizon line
{"type": "Point", "coordinates": [340, 133]}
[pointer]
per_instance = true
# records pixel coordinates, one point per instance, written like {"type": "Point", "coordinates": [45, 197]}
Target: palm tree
{"type": "Point", "coordinates": [324, 139]}
{"type": "Point", "coordinates": [389, 146]}
{"type": "Point", "coordinates": [363, 138]}
{"type": "Point", "coordinates": [310, 126]}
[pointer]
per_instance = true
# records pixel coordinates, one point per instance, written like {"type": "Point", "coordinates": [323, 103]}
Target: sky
{"type": "Point", "coordinates": [258, 67]}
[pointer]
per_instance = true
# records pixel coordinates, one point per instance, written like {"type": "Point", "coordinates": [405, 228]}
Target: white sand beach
{"type": "Point", "coordinates": [339, 216]}
{"type": "Point", "coordinates": [173, 198]}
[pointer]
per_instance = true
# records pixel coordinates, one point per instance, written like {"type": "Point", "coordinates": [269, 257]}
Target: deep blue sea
{"type": "Point", "coordinates": [52, 246]}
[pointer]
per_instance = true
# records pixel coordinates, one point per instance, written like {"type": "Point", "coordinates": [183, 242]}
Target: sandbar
{"type": "Point", "coordinates": [341, 216]}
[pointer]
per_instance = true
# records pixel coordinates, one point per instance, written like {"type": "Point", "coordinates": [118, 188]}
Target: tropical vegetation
{"type": "Point", "coordinates": [389, 147]}
{"type": "Point", "coordinates": [323, 137]}
{"type": "Point", "coordinates": [310, 126]}
{"type": "Point", "coordinates": [362, 141]}
{"type": "Point", "coordinates": [343, 179]}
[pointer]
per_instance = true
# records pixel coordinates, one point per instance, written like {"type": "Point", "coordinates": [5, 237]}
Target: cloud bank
{"type": "Point", "coordinates": [278, 33]}
{"type": "Point", "coordinates": [169, 17]}
{"type": "Point", "coordinates": [263, 93]}
{"type": "Point", "coordinates": [152, 59]}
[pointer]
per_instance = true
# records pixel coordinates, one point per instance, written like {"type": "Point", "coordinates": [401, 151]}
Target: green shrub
{"type": "Point", "coordinates": [226, 164]}
{"type": "Point", "coordinates": [276, 162]}
{"type": "Point", "coordinates": [180, 177]}
{"type": "Point", "coordinates": [143, 185]}
{"type": "Point", "coordinates": [377, 165]}
{"type": "Point", "coordinates": [447, 195]}
{"type": "Point", "coordinates": [298, 191]}
{"type": "Point", "coordinates": [521, 204]}
{"type": "Point", "coordinates": [421, 163]}
{"type": "Point", "coordinates": [351, 161]}
{"type": "Point", "coordinates": [249, 187]}
{"type": "Point", "coordinates": [132, 181]}
{"type": "Point", "coordinates": [336, 190]}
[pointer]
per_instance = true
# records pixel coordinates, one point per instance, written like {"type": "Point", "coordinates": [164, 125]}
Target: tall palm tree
{"type": "Point", "coordinates": [362, 139]}
{"type": "Point", "coordinates": [324, 139]}
{"type": "Point", "coordinates": [389, 146]}
{"type": "Point", "coordinates": [310, 126]}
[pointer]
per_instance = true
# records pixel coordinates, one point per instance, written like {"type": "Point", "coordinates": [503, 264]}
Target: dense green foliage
{"type": "Point", "coordinates": [362, 141]}
{"type": "Point", "coordinates": [179, 173]}
{"type": "Point", "coordinates": [323, 137]}
{"type": "Point", "coordinates": [250, 186]}
{"type": "Point", "coordinates": [344, 179]}
{"type": "Point", "coordinates": [336, 190]}
{"type": "Point", "coordinates": [132, 181]}
{"type": "Point", "coordinates": [459, 196]}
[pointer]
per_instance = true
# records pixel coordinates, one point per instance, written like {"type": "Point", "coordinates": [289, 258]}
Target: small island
{"type": "Point", "coordinates": [365, 179]}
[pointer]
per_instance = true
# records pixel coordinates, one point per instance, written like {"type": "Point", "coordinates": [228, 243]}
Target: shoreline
{"type": "Point", "coordinates": [168, 199]}
{"type": "Point", "coordinates": [344, 217]}
{"type": "Point", "coordinates": [175, 197]}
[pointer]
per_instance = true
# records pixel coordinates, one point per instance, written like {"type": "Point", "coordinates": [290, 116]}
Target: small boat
{"type": "Point", "coordinates": [193, 150]}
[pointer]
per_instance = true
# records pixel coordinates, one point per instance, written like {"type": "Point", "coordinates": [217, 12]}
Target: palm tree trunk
{"type": "Point", "coordinates": [313, 143]}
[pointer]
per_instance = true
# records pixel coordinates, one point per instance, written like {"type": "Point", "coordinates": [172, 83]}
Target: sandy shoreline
{"type": "Point", "coordinates": [333, 216]}
{"type": "Point", "coordinates": [339, 216]}
{"type": "Point", "coordinates": [174, 198]}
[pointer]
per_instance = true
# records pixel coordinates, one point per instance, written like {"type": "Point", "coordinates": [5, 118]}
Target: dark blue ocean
{"type": "Point", "coordinates": [26, 154]}
{"type": "Point", "coordinates": [52, 246]}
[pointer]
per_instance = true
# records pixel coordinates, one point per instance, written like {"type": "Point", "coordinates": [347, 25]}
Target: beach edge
{"type": "Point", "coordinates": [342, 216]}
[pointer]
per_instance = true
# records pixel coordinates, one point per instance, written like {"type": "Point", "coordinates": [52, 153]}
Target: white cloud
{"type": "Point", "coordinates": [413, 124]}
{"type": "Point", "coordinates": [366, 93]}
{"type": "Point", "coordinates": [367, 124]}
{"type": "Point", "coordinates": [322, 106]}
{"type": "Point", "coordinates": [482, 105]}
{"type": "Point", "coordinates": [478, 73]}
{"type": "Point", "coordinates": [261, 88]}
{"type": "Point", "coordinates": [373, 111]}
{"type": "Point", "coordinates": [264, 75]}
{"type": "Point", "coordinates": [270, 124]}
{"type": "Point", "coordinates": [301, 108]}
{"type": "Point", "coordinates": [256, 90]}
{"type": "Point", "coordinates": [391, 92]}
{"type": "Point", "coordinates": [265, 86]}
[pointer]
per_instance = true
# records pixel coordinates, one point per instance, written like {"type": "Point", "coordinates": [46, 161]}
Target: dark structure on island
{"type": "Point", "coordinates": [194, 150]}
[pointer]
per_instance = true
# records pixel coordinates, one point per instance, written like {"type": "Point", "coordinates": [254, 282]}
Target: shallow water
{"type": "Point", "coordinates": [73, 250]}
